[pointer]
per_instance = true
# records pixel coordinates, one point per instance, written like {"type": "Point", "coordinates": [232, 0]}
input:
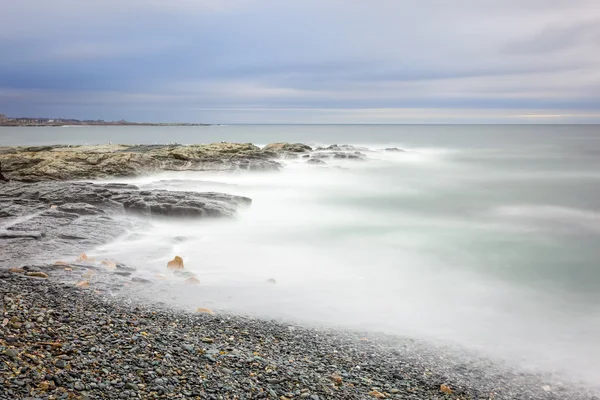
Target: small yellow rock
{"type": "Point", "coordinates": [445, 389]}
{"type": "Point", "coordinates": [17, 270]}
{"type": "Point", "coordinates": [192, 280]}
{"type": "Point", "coordinates": [82, 257]}
{"type": "Point", "coordinates": [337, 379]}
{"type": "Point", "coordinates": [377, 394]}
{"type": "Point", "coordinates": [205, 311]}
{"type": "Point", "coordinates": [109, 264]}
{"type": "Point", "coordinates": [68, 269]}
{"type": "Point", "coordinates": [66, 264]}
{"type": "Point", "coordinates": [37, 274]}
{"type": "Point", "coordinates": [175, 264]}
{"type": "Point", "coordinates": [83, 284]}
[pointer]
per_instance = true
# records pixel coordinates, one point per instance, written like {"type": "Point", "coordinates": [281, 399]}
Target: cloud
{"type": "Point", "coordinates": [530, 56]}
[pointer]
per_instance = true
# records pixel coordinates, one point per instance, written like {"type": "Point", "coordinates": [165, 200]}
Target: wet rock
{"type": "Point", "coordinates": [141, 280]}
{"type": "Point", "coordinates": [287, 150]}
{"type": "Point", "coordinates": [13, 354]}
{"type": "Point", "coordinates": [316, 161]}
{"type": "Point", "coordinates": [89, 222]}
{"type": "Point", "coordinates": [175, 264]}
{"type": "Point", "coordinates": [37, 274]}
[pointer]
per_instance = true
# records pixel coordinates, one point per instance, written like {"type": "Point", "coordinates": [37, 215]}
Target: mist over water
{"type": "Point", "coordinates": [485, 237]}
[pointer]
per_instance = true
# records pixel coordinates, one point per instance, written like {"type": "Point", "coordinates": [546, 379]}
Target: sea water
{"type": "Point", "coordinates": [483, 236]}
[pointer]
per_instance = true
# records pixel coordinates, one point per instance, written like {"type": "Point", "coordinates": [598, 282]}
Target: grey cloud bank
{"type": "Point", "coordinates": [303, 62]}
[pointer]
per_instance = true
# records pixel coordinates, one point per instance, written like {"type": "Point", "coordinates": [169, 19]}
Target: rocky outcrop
{"type": "Point", "coordinates": [58, 162]}
{"type": "Point", "coordinates": [339, 155]}
{"type": "Point", "coordinates": [288, 147]}
{"type": "Point", "coordinates": [287, 150]}
{"type": "Point", "coordinates": [342, 147]}
{"type": "Point", "coordinates": [43, 220]}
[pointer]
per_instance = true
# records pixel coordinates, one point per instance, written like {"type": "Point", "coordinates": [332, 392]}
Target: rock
{"type": "Point", "coordinates": [63, 263]}
{"type": "Point", "coordinates": [207, 340]}
{"type": "Point", "coordinates": [272, 281]}
{"type": "Point", "coordinates": [37, 274]}
{"type": "Point", "coordinates": [17, 270]}
{"type": "Point", "coordinates": [336, 379]}
{"type": "Point", "coordinates": [316, 161]}
{"type": "Point", "coordinates": [110, 265]}
{"type": "Point", "coordinates": [175, 264]}
{"type": "Point", "coordinates": [205, 311]}
{"type": "Point", "coordinates": [377, 394]}
{"type": "Point", "coordinates": [79, 386]}
{"type": "Point", "coordinates": [342, 147]}
{"type": "Point", "coordinates": [30, 164]}
{"type": "Point", "coordinates": [80, 209]}
{"type": "Point", "coordinates": [338, 155]}
{"type": "Point", "coordinates": [445, 389]}
{"type": "Point", "coordinates": [13, 354]}
{"type": "Point", "coordinates": [394, 150]}
{"type": "Point", "coordinates": [131, 386]}
{"type": "Point", "coordinates": [83, 284]}
{"type": "Point", "coordinates": [281, 148]}
{"type": "Point", "coordinates": [20, 234]}
{"type": "Point", "coordinates": [192, 281]}
{"type": "Point", "coordinates": [82, 257]}
{"type": "Point", "coordinates": [136, 279]}
{"type": "Point", "coordinates": [60, 364]}
{"type": "Point", "coordinates": [57, 232]}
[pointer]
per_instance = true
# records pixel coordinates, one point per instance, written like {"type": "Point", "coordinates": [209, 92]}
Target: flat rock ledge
{"type": "Point", "coordinates": [47, 219]}
{"type": "Point", "coordinates": [63, 162]}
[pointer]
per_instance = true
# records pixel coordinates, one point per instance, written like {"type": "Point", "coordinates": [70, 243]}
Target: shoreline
{"type": "Point", "coordinates": [65, 339]}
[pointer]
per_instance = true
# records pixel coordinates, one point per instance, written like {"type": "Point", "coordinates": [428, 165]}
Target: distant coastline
{"type": "Point", "coordinates": [35, 121]}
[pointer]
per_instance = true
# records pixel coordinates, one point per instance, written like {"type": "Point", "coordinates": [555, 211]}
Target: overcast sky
{"type": "Point", "coordinates": [302, 61]}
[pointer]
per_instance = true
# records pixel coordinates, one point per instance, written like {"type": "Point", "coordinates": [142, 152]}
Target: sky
{"type": "Point", "coordinates": [302, 61]}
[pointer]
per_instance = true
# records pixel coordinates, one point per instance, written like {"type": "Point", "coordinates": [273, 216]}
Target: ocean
{"type": "Point", "coordinates": [482, 236]}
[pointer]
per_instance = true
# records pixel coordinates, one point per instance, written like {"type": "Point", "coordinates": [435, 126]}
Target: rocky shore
{"type": "Point", "coordinates": [73, 327]}
{"type": "Point", "coordinates": [60, 341]}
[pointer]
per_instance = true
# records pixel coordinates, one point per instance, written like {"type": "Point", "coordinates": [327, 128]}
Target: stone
{"type": "Point", "coordinates": [175, 264]}
{"type": "Point", "coordinates": [12, 354]}
{"type": "Point", "coordinates": [377, 394]}
{"type": "Point", "coordinates": [336, 379]}
{"type": "Point", "coordinates": [192, 280]}
{"type": "Point", "coordinates": [83, 284]}
{"type": "Point", "coordinates": [137, 279]}
{"type": "Point", "coordinates": [271, 281]}
{"type": "Point", "coordinates": [445, 389]}
{"type": "Point", "coordinates": [283, 149]}
{"type": "Point", "coordinates": [60, 363]}
{"type": "Point", "coordinates": [205, 311]}
{"type": "Point", "coordinates": [110, 265]}
{"type": "Point", "coordinates": [37, 274]}
{"type": "Point", "coordinates": [316, 161]}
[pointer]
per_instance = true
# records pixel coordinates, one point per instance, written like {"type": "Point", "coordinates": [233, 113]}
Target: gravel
{"type": "Point", "coordinates": [82, 344]}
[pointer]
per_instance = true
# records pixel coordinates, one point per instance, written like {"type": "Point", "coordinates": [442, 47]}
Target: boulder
{"type": "Point", "coordinates": [287, 148]}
